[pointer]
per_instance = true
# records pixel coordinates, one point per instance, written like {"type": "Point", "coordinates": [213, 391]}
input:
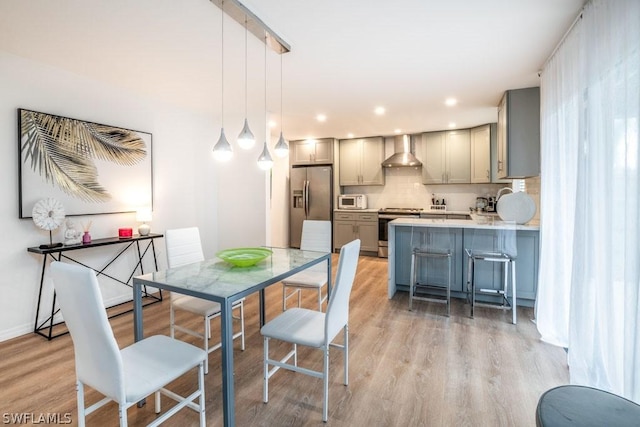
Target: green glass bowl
{"type": "Point", "coordinates": [244, 257]}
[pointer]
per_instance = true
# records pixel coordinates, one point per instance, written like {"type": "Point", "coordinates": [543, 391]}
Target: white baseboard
{"type": "Point", "coordinates": [15, 332]}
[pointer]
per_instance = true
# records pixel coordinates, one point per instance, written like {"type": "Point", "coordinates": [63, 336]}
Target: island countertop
{"type": "Point", "coordinates": [460, 223]}
{"type": "Point", "coordinates": [401, 232]}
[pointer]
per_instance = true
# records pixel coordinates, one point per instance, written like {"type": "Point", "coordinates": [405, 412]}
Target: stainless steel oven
{"type": "Point", "coordinates": [389, 214]}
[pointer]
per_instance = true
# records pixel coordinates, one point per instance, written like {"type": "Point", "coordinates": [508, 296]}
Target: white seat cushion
{"type": "Point", "coordinates": [197, 306]}
{"type": "Point", "coordinates": [155, 361]}
{"type": "Point", "coordinates": [299, 326]}
{"type": "Point", "coordinates": [307, 279]}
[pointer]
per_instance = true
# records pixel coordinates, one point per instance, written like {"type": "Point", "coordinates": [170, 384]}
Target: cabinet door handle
{"type": "Point", "coordinates": [487, 173]}
{"type": "Point", "coordinates": [499, 165]}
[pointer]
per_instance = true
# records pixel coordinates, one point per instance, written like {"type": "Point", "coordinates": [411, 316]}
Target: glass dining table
{"type": "Point", "coordinates": [216, 280]}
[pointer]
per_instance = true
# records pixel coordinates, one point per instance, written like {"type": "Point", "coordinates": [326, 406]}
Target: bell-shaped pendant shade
{"type": "Point", "coordinates": [281, 148]}
{"type": "Point", "coordinates": [222, 151]}
{"type": "Point", "coordinates": [265, 162]}
{"type": "Point", "coordinates": [246, 140]}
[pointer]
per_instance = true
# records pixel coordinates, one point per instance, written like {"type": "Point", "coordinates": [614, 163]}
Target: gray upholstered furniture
{"type": "Point", "coordinates": [573, 405]}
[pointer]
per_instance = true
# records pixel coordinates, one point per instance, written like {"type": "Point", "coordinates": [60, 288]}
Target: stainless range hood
{"type": "Point", "coordinates": [403, 154]}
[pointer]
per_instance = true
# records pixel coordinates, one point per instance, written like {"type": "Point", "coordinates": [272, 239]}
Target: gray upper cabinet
{"type": "Point", "coordinates": [311, 152]}
{"type": "Point", "coordinates": [446, 157]}
{"type": "Point", "coordinates": [519, 134]}
{"type": "Point", "coordinates": [481, 154]}
{"type": "Point", "coordinates": [360, 161]}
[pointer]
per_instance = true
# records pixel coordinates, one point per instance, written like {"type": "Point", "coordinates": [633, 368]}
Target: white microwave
{"type": "Point", "coordinates": [352, 201]}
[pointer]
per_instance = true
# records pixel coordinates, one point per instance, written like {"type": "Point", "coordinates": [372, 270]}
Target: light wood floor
{"type": "Point", "coordinates": [407, 368]}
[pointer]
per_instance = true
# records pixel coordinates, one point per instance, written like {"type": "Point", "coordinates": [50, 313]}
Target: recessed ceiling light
{"type": "Point", "coordinates": [397, 131]}
{"type": "Point", "coordinates": [272, 124]}
{"type": "Point", "coordinates": [321, 118]}
{"type": "Point", "coordinates": [379, 111]}
{"type": "Point", "coordinates": [349, 135]}
{"type": "Point", "coordinates": [452, 124]}
{"type": "Point", "coordinates": [450, 102]}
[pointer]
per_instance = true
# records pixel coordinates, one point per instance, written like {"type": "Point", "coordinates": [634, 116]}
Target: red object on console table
{"type": "Point", "coordinates": [124, 233]}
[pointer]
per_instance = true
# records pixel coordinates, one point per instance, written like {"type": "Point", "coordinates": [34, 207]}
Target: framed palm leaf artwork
{"type": "Point", "coordinates": [91, 168]}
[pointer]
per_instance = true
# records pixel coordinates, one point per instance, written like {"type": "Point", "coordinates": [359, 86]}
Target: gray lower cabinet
{"type": "Point", "coordinates": [488, 275]}
{"type": "Point", "coordinates": [527, 264]}
{"type": "Point", "coordinates": [444, 216]}
{"type": "Point", "coordinates": [458, 216]}
{"type": "Point", "coordinates": [433, 216]}
{"type": "Point", "coordinates": [348, 226]}
{"type": "Point", "coordinates": [408, 237]}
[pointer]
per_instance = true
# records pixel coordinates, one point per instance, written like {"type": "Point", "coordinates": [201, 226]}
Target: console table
{"type": "Point", "coordinates": [140, 244]}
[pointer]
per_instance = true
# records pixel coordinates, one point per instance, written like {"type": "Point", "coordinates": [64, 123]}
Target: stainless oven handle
{"type": "Point", "coordinates": [383, 216]}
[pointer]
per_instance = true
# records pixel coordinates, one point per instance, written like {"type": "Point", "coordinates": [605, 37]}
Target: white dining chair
{"type": "Point", "coordinates": [316, 236]}
{"type": "Point", "coordinates": [184, 247]}
{"type": "Point", "coordinates": [125, 376]}
{"type": "Point", "coordinates": [311, 328]}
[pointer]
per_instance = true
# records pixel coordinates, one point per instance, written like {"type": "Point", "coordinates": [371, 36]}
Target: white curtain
{"type": "Point", "coordinates": [589, 283]}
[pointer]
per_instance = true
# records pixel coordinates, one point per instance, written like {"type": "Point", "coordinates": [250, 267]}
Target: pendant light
{"type": "Point", "coordinates": [246, 140]}
{"type": "Point", "coordinates": [265, 162]}
{"type": "Point", "coordinates": [222, 151]}
{"type": "Point", "coordinates": [281, 148]}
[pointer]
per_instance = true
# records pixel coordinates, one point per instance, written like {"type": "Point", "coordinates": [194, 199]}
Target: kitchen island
{"type": "Point", "coordinates": [461, 232]}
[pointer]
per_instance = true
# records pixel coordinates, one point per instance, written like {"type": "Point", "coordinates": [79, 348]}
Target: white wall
{"type": "Point", "coordinates": [277, 191]}
{"type": "Point", "coordinates": [226, 201]}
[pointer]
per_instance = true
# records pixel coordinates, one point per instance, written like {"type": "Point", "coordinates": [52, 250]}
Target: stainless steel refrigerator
{"type": "Point", "coordinates": [310, 197]}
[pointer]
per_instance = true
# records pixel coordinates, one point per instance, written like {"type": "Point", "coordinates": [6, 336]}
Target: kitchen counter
{"type": "Point", "coordinates": [460, 223]}
{"type": "Point", "coordinates": [447, 212]}
{"type": "Point", "coordinates": [403, 231]}
{"type": "Point", "coordinates": [423, 212]}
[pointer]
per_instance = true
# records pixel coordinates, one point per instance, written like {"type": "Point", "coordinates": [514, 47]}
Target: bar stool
{"type": "Point", "coordinates": [431, 249]}
{"type": "Point", "coordinates": [495, 246]}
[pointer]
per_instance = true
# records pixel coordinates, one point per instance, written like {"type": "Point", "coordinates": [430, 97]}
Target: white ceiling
{"type": "Point", "coordinates": [347, 56]}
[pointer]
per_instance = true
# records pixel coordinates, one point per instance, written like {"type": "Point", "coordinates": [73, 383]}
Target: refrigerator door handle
{"type": "Point", "coordinates": [304, 197]}
{"type": "Point", "coordinates": [307, 184]}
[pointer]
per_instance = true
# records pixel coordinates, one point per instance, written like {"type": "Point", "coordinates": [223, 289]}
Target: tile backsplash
{"type": "Point", "coordinates": [403, 188]}
{"type": "Point", "coordinates": [533, 189]}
